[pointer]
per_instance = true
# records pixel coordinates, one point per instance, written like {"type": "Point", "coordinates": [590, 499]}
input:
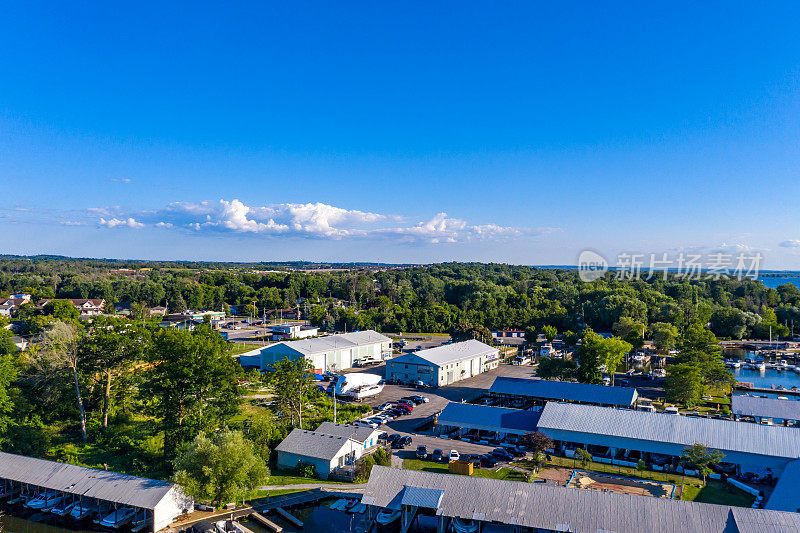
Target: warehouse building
{"type": "Point", "coordinates": [527, 392]}
{"type": "Point", "coordinates": [156, 503]}
{"type": "Point", "coordinates": [464, 503]}
{"type": "Point", "coordinates": [443, 365]}
{"type": "Point", "coordinates": [779, 411]}
{"type": "Point", "coordinates": [464, 418]}
{"type": "Point", "coordinates": [750, 447]}
{"type": "Point", "coordinates": [329, 353]}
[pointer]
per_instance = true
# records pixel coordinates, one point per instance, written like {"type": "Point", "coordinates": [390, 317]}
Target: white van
{"type": "Point", "coordinates": [646, 407]}
{"type": "Point", "coordinates": [671, 410]}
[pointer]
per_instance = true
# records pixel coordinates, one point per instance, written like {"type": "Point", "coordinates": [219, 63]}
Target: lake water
{"type": "Point", "coordinates": [768, 377]}
{"type": "Point", "coordinates": [773, 282]}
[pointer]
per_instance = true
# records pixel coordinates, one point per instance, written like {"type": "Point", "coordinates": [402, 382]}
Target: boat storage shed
{"type": "Point", "coordinates": [543, 390]}
{"type": "Point", "coordinates": [778, 410]}
{"type": "Point", "coordinates": [485, 418]}
{"type": "Point", "coordinates": [329, 353]}
{"type": "Point", "coordinates": [753, 447]}
{"type": "Point", "coordinates": [540, 507]}
{"type": "Point", "coordinates": [161, 501]}
{"type": "Point", "coordinates": [443, 365]}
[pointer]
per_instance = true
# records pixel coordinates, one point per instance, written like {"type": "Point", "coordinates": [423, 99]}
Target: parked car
{"type": "Point", "coordinates": [454, 455]}
{"type": "Point", "coordinates": [405, 401]}
{"type": "Point", "coordinates": [422, 399]}
{"type": "Point", "coordinates": [396, 412]}
{"type": "Point", "coordinates": [399, 443]}
{"type": "Point", "coordinates": [405, 407]}
{"type": "Point", "coordinates": [384, 406]}
{"type": "Point", "coordinates": [473, 458]}
{"type": "Point", "coordinates": [406, 440]}
{"type": "Point", "coordinates": [437, 455]}
{"type": "Point", "coordinates": [367, 423]}
{"type": "Point", "coordinates": [501, 454]}
{"type": "Point", "coordinates": [391, 438]}
{"type": "Point", "coordinates": [383, 436]}
{"type": "Point", "coordinates": [488, 461]}
{"type": "Point", "coordinates": [422, 452]}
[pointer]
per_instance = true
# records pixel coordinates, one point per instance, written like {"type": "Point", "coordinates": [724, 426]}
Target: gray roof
{"type": "Point", "coordinates": [785, 496]}
{"type": "Point", "coordinates": [312, 444]}
{"type": "Point", "coordinates": [488, 418]}
{"type": "Point", "coordinates": [724, 435]}
{"type": "Point", "coordinates": [563, 390]}
{"type": "Point", "coordinates": [357, 433]}
{"type": "Point", "coordinates": [88, 482]}
{"type": "Point", "coordinates": [449, 353]}
{"type": "Point", "coordinates": [765, 407]}
{"type": "Point", "coordinates": [333, 342]}
{"type": "Point", "coordinates": [537, 505]}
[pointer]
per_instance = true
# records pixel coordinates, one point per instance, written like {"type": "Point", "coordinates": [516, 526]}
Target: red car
{"type": "Point", "coordinates": [404, 407]}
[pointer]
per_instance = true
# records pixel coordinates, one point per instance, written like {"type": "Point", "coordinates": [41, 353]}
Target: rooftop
{"type": "Point", "coordinates": [488, 418]}
{"type": "Point", "coordinates": [765, 407]}
{"type": "Point", "coordinates": [784, 496]}
{"type": "Point", "coordinates": [548, 507]}
{"type": "Point", "coordinates": [88, 482]}
{"type": "Point", "coordinates": [312, 444]}
{"type": "Point", "coordinates": [334, 342]}
{"type": "Point", "coordinates": [564, 390]}
{"type": "Point", "coordinates": [450, 353]}
{"type": "Point", "coordinates": [357, 433]}
{"type": "Point", "coordinates": [724, 435]}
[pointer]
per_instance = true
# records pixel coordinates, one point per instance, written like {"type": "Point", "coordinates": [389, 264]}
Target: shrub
{"type": "Point", "coordinates": [305, 469]}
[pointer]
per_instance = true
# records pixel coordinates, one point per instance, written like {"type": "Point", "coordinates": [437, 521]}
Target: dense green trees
{"type": "Point", "coordinates": [191, 384]}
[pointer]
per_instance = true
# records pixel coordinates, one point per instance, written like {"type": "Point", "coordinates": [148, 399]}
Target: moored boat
{"type": "Point", "coordinates": [387, 517]}
{"type": "Point", "coordinates": [462, 525]}
{"type": "Point", "coordinates": [82, 510]}
{"type": "Point", "coordinates": [117, 518]}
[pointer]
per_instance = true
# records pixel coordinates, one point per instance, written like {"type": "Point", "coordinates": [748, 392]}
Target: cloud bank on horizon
{"type": "Point", "coordinates": [310, 220]}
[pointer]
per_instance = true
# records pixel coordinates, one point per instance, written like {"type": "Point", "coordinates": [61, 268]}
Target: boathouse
{"type": "Point", "coordinates": [156, 503]}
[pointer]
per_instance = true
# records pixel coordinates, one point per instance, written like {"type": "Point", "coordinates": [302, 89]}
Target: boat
{"type": "Point", "coordinates": [117, 518]}
{"type": "Point", "coordinates": [462, 525]}
{"type": "Point", "coordinates": [82, 510]}
{"type": "Point", "coordinates": [387, 516]}
{"type": "Point", "coordinates": [350, 504]}
{"type": "Point", "coordinates": [357, 386]}
{"type": "Point", "coordinates": [358, 508]}
{"type": "Point", "coordinates": [230, 526]}
{"type": "Point", "coordinates": [62, 509]}
{"type": "Point", "coordinates": [761, 367]}
{"type": "Point", "coordinates": [45, 501]}
{"type": "Point", "coordinates": [8, 492]}
{"type": "Point", "coordinates": [339, 504]}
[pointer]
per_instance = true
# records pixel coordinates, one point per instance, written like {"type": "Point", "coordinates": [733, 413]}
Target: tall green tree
{"type": "Point", "coordinates": [549, 332]}
{"type": "Point", "coordinates": [664, 335]}
{"type": "Point", "coordinates": [221, 468]}
{"type": "Point", "coordinates": [191, 384]}
{"type": "Point", "coordinates": [684, 384]}
{"type": "Point", "coordinates": [292, 381]}
{"type": "Point", "coordinates": [701, 457]}
{"type": "Point", "coordinates": [612, 353]}
{"type": "Point", "coordinates": [589, 358]}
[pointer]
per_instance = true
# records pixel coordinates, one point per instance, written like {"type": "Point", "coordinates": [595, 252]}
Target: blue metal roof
{"type": "Point", "coordinates": [488, 418]}
{"type": "Point", "coordinates": [565, 391]}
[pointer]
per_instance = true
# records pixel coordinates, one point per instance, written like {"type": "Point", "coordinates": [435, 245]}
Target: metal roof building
{"type": "Point", "coordinates": [755, 406]}
{"type": "Point", "coordinates": [326, 452]}
{"type": "Point", "coordinates": [331, 352]}
{"type": "Point", "coordinates": [164, 500]}
{"type": "Point", "coordinates": [360, 434]}
{"type": "Point", "coordinates": [552, 508]}
{"type": "Point", "coordinates": [484, 417]}
{"type": "Point", "coordinates": [785, 496]}
{"type": "Point", "coordinates": [444, 364]}
{"type": "Point", "coordinates": [546, 390]}
{"type": "Point", "coordinates": [752, 446]}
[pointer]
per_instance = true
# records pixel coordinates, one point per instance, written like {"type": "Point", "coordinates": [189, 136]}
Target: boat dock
{"type": "Point", "coordinates": [285, 514]}
{"type": "Point", "coordinates": [296, 498]}
{"type": "Point", "coordinates": [269, 524]}
{"type": "Point", "coordinates": [748, 387]}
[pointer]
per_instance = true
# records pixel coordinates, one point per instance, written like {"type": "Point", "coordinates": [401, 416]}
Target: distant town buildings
{"type": "Point", "coordinates": [88, 307]}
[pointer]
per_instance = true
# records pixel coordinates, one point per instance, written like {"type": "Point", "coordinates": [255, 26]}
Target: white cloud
{"type": "Point", "coordinates": [310, 220]}
{"type": "Point", "coordinates": [71, 223]}
{"type": "Point", "coordinates": [791, 243]}
{"type": "Point", "coordinates": [115, 222]}
{"type": "Point", "coordinates": [120, 180]}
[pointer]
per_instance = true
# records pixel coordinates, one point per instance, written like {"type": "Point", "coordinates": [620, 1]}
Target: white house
{"type": "Point", "coordinates": [325, 452]}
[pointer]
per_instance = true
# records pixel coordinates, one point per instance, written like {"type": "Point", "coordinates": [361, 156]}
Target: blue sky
{"type": "Point", "coordinates": [518, 132]}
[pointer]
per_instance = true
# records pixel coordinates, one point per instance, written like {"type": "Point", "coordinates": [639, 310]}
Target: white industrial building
{"type": "Point", "coordinates": [293, 331]}
{"type": "Point", "coordinates": [443, 365]}
{"type": "Point", "coordinates": [157, 503]}
{"type": "Point", "coordinates": [329, 353]}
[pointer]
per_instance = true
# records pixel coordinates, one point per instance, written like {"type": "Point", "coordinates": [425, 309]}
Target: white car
{"type": "Point", "coordinates": [454, 455]}
{"type": "Point", "coordinates": [384, 406]}
{"type": "Point", "coordinates": [367, 423]}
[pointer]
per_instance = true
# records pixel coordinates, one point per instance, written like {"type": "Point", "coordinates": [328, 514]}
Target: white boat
{"type": "Point", "coordinates": [45, 501]}
{"type": "Point", "coordinates": [761, 367]}
{"type": "Point", "coordinates": [339, 504]}
{"type": "Point", "coordinates": [357, 386]}
{"type": "Point", "coordinates": [387, 516]}
{"type": "Point", "coordinates": [118, 518]}
{"type": "Point", "coordinates": [366, 391]}
{"type": "Point", "coordinates": [461, 525]}
{"type": "Point", "coordinates": [63, 509]}
{"type": "Point", "coordinates": [82, 510]}
{"type": "Point", "coordinates": [229, 526]}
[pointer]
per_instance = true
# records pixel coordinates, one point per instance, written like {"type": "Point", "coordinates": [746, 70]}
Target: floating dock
{"type": "Point", "coordinates": [264, 521]}
{"type": "Point", "coordinates": [285, 514]}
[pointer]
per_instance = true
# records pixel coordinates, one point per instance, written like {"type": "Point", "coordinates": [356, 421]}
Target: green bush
{"type": "Point", "coordinates": [304, 469]}
{"type": "Point", "coordinates": [381, 457]}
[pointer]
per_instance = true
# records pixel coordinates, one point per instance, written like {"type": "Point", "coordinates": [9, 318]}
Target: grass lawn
{"type": "Point", "coordinates": [240, 347]}
{"type": "Point", "coordinates": [616, 470]}
{"type": "Point", "coordinates": [282, 478]}
{"type": "Point", "coordinates": [430, 466]}
{"type": "Point", "coordinates": [719, 493]}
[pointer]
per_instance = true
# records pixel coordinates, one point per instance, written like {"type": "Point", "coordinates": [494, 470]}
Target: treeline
{"type": "Point", "coordinates": [426, 299]}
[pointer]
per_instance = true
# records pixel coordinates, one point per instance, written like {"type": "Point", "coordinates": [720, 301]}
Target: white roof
{"type": "Point", "coordinates": [333, 342]}
{"type": "Point", "coordinates": [450, 353]}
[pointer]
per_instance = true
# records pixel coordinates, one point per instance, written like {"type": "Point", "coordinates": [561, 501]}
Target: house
{"type": "Point", "coordinates": [325, 452]}
{"type": "Point", "coordinates": [366, 436]}
{"type": "Point", "coordinates": [9, 305]}
{"type": "Point", "coordinates": [88, 307]}
{"type": "Point", "coordinates": [158, 310]}
{"type": "Point", "coordinates": [443, 365]}
{"type": "Point", "coordinates": [332, 352]}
